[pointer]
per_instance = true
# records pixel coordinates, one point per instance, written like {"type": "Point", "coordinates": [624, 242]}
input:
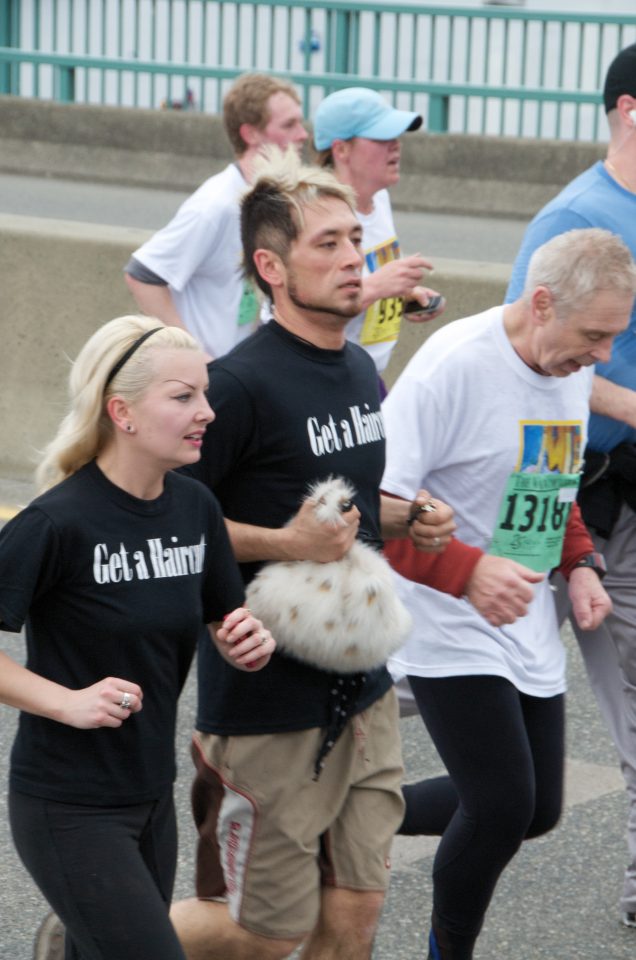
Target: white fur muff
{"type": "Point", "coordinates": [342, 616]}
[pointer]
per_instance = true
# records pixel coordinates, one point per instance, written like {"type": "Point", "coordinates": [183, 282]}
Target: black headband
{"type": "Point", "coordinates": [129, 352]}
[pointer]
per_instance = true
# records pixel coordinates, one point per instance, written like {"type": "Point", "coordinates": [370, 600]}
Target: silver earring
{"type": "Point", "coordinates": [129, 427]}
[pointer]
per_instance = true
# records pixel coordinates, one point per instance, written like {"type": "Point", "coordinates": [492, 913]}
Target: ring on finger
{"type": "Point", "coordinates": [263, 638]}
{"type": "Point", "coordinates": [436, 541]}
{"type": "Point", "coordinates": [125, 703]}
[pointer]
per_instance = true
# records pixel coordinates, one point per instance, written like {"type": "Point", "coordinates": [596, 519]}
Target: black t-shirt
{"type": "Point", "coordinates": [110, 585]}
{"type": "Point", "coordinates": [287, 414]}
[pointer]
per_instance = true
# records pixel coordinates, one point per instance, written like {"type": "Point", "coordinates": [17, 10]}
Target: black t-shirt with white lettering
{"type": "Point", "coordinates": [110, 585]}
{"type": "Point", "coordinates": [287, 414]}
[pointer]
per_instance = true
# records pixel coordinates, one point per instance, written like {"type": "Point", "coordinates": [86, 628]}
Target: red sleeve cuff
{"type": "Point", "coordinates": [577, 543]}
{"type": "Point", "coordinates": [448, 571]}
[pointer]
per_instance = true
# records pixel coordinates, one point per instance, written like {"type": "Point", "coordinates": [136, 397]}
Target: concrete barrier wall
{"type": "Point", "coordinates": [461, 174]}
{"type": "Point", "coordinates": [61, 280]}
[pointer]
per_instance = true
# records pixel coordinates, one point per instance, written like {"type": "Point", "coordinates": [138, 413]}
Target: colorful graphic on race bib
{"type": "Point", "coordinates": [382, 319]}
{"type": "Point", "coordinates": [539, 494]}
{"type": "Point", "coordinates": [249, 306]}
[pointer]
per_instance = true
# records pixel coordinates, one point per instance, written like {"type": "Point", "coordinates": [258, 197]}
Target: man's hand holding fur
{"type": "Point", "coordinates": [307, 538]}
{"type": "Point", "coordinates": [341, 614]}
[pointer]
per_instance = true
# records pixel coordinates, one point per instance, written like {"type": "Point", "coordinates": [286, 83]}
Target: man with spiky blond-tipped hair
{"type": "Point", "coordinates": [298, 786]}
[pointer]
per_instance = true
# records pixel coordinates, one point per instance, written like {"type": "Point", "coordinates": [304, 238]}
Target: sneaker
{"type": "Point", "coordinates": [49, 940]}
{"type": "Point", "coordinates": [628, 919]}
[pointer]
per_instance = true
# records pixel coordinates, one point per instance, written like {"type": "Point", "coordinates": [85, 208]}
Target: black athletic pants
{"type": "Point", "coordinates": [108, 872]}
{"type": "Point", "coordinates": [504, 753]}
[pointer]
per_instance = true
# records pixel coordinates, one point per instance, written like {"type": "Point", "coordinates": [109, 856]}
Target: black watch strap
{"type": "Point", "coordinates": [595, 561]}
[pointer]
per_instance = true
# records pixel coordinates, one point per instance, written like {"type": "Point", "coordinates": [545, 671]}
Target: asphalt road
{"type": "Point", "coordinates": [558, 900]}
{"type": "Point", "coordinates": [434, 235]}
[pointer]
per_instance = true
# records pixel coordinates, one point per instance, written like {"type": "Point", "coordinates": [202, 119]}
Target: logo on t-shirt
{"type": "Point", "coordinates": [361, 427]}
{"type": "Point", "coordinates": [155, 561]}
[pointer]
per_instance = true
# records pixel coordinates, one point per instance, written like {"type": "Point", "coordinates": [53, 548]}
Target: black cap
{"type": "Point", "coordinates": [621, 77]}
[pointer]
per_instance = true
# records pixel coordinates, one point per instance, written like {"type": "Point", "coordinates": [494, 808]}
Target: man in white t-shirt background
{"type": "Point", "coordinates": [357, 133]}
{"type": "Point", "coordinates": [605, 196]}
{"type": "Point", "coordinates": [189, 273]}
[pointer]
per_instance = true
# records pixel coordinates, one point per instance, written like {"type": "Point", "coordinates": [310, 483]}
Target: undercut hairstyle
{"type": "Point", "coordinates": [577, 265]}
{"type": "Point", "coordinates": [87, 426]}
{"type": "Point", "coordinates": [247, 102]}
{"type": "Point", "coordinates": [272, 210]}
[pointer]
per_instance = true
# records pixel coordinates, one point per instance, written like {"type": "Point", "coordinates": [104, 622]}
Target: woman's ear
{"type": "Point", "coordinates": [340, 150]}
{"type": "Point", "coordinates": [120, 413]}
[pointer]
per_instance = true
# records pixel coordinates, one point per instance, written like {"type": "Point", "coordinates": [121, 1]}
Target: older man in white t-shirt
{"type": "Point", "coordinates": [490, 415]}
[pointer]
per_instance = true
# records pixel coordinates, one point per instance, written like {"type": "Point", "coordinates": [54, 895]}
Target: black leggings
{"type": "Point", "coordinates": [504, 753]}
{"type": "Point", "coordinates": [108, 872]}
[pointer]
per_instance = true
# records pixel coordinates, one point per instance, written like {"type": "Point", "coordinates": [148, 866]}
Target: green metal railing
{"type": "Point", "coordinates": [468, 69]}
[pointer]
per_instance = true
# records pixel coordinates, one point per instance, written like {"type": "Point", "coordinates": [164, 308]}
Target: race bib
{"type": "Point", "coordinates": [249, 306]}
{"type": "Point", "coordinates": [382, 319]}
{"type": "Point", "coordinates": [532, 518]}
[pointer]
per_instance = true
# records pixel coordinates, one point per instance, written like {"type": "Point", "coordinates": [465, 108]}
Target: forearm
{"type": "Point", "coordinates": [252, 544]}
{"type": "Point", "coordinates": [611, 400]}
{"type": "Point", "coordinates": [373, 289]}
{"type": "Point", "coordinates": [155, 301]}
{"type": "Point", "coordinates": [25, 690]}
{"type": "Point", "coordinates": [394, 516]}
{"type": "Point", "coordinates": [394, 279]}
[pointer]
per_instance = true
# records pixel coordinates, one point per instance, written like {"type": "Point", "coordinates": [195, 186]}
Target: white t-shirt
{"type": "Point", "coordinates": [199, 255]}
{"type": "Point", "coordinates": [464, 415]}
{"type": "Point", "coordinates": [377, 328]}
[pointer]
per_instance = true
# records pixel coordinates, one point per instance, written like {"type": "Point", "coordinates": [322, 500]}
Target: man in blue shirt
{"type": "Point", "coordinates": [605, 196]}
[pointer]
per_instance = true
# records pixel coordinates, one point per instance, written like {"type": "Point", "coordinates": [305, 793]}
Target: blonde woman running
{"type": "Point", "coordinates": [115, 569]}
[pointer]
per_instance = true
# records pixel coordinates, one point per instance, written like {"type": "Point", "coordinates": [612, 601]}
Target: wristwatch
{"type": "Point", "coordinates": [595, 561]}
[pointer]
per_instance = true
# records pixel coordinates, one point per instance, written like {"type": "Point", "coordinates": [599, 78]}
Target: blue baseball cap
{"type": "Point", "coordinates": [359, 112]}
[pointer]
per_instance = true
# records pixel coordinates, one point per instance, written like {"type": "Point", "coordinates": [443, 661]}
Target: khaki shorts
{"type": "Point", "coordinates": [270, 835]}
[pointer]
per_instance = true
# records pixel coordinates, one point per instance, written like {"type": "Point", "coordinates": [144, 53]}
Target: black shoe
{"type": "Point", "coordinates": [628, 919]}
{"type": "Point", "coordinates": [49, 940]}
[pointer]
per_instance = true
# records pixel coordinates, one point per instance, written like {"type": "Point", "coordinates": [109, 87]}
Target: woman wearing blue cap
{"type": "Point", "coordinates": [357, 133]}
